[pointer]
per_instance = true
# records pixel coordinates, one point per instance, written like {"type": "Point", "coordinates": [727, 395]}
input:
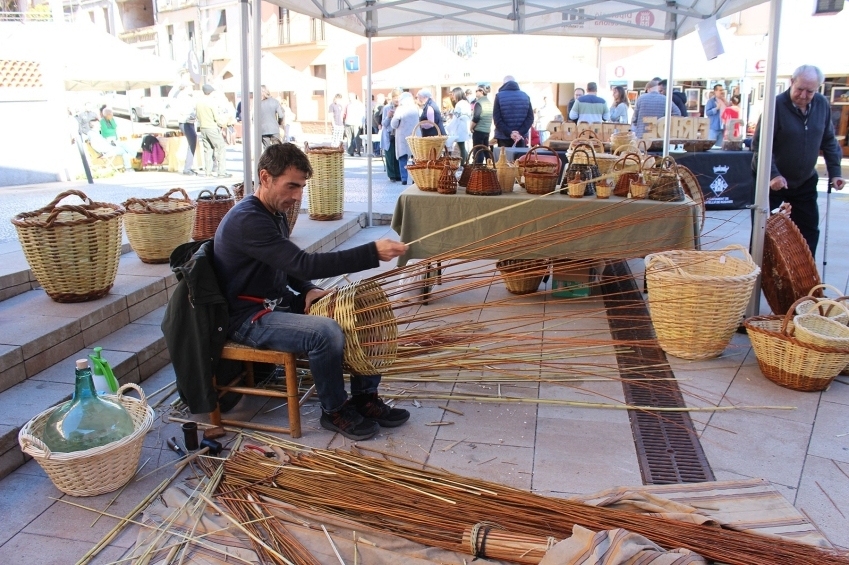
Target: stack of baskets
{"type": "Point", "coordinates": [427, 172]}
{"type": "Point", "coordinates": [211, 209]}
{"type": "Point", "coordinates": [803, 354]}
{"type": "Point", "coordinates": [522, 276]}
{"type": "Point", "coordinates": [97, 470]}
{"type": "Point", "coordinates": [73, 250]}
{"type": "Point", "coordinates": [327, 184]}
{"type": "Point", "coordinates": [698, 298]}
{"type": "Point", "coordinates": [420, 147]}
{"type": "Point", "coordinates": [155, 226]}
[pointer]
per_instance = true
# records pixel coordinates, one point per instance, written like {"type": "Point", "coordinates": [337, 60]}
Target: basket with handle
{"type": "Point", "coordinates": [536, 162]}
{"type": "Point", "coordinates": [73, 250]}
{"type": "Point", "coordinates": [832, 312]}
{"type": "Point", "coordinates": [447, 180]}
{"type": "Point", "coordinates": [582, 161]}
{"type": "Point", "coordinates": [815, 328]}
{"type": "Point", "coordinates": [622, 139]}
{"type": "Point", "coordinates": [698, 298]}
{"type": "Point", "coordinates": [420, 146]}
{"type": "Point", "coordinates": [425, 174]}
{"type": "Point", "coordinates": [788, 362]}
{"type": "Point", "coordinates": [326, 187]}
{"type": "Point", "coordinates": [155, 226]}
{"type": "Point", "coordinates": [484, 179]}
{"type": "Point", "coordinates": [522, 276]}
{"type": "Point", "coordinates": [541, 180]}
{"type": "Point", "coordinates": [470, 164]}
{"type": "Point", "coordinates": [626, 169]}
{"type": "Point", "coordinates": [788, 266]}
{"type": "Point", "coordinates": [211, 209]}
{"type": "Point", "coordinates": [664, 180]}
{"type": "Point", "coordinates": [97, 470]}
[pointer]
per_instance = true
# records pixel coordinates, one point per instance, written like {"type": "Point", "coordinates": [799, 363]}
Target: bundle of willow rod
{"type": "Point", "coordinates": [437, 508]}
{"type": "Point", "coordinates": [488, 540]}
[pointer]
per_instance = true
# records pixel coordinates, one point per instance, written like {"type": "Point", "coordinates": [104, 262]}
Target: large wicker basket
{"type": "Point", "coordinates": [97, 470]}
{"type": "Point", "coordinates": [211, 209]}
{"type": "Point", "coordinates": [420, 147]}
{"type": "Point", "coordinates": [426, 172]}
{"type": "Point", "coordinates": [73, 250]}
{"type": "Point", "coordinates": [327, 184]}
{"type": "Point", "coordinates": [522, 276]}
{"type": "Point", "coordinates": [788, 362]}
{"type": "Point", "coordinates": [698, 298]}
{"type": "Point", "coordinates": [155, 226]}
{"type": "Point", "coordinates": [362, 310]}
{"type": "Point", "coordinates": [788, 266]}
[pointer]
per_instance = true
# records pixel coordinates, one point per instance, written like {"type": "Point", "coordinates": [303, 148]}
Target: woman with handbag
{"type": "Point", "coordinates": [458, 127]}
{"type": "Point", "coordinates": [404, 122]}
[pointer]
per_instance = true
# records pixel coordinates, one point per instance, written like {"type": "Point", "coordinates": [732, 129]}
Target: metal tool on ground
{"type": "Point", "coordinates": [172, 444]}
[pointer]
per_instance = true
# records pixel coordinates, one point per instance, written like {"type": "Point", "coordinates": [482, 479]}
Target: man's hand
{"type": "Point", "coordinates": [388, 249]}
{"type": "Point", "coordinates": [515, 136]}
{"type": "Point", "coordinates": [778, 183]}
{"type": "Point", "coordinates": [838, 183]}
{"type": "Point", "coordinates": [312, 296]}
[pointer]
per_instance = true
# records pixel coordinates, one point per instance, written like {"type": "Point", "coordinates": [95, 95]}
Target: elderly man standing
{"type": "Point", "coordinates": [590, 107]}
{"type": "Point", "coordinates": [803, 128]}
{"type": "Point", "coordinates": [431, 113]}
{"type": "Point", "coordinates": [650, 104]}
{"type": "Point", "coordinates": [210, 123]}
{"type": "Point", "coordinates": [512, 114]}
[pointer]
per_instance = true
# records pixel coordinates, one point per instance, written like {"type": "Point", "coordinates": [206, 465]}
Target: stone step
{"type": "Point", "coordinates": [40, 338]}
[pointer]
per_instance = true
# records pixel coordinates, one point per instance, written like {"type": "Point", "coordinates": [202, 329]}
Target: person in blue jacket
{"type": "Point", "coordinates": [512, 114]}
{"type": "Point", "coordinates": [713, 110]}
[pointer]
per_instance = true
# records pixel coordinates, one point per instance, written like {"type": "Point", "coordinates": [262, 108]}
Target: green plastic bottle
{"type": "Point", "coordinates": [104, 379]}
{"type": "Point", "coordinates": [86, 421]}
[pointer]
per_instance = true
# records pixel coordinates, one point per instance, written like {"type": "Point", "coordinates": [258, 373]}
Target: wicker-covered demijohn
{"type": "Point", "coordinates": [362, 310]}
{"type": "Point", "coordinates": [97, 470]}
{"type": "Point", "coordinates": [155, 226]}
{"type": "Point", "coordinates": [211, 209]}
{"type": "Point", "coordinates": [788, 266]}
{"type": "Point", "coordinates": [698, 298]}
{"type": "Point", "coordinates": [73, 250]}
{"type": "Point", "coordinates": [326, 187]}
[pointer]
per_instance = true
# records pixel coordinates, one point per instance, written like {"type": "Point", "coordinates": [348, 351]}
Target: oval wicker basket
{"type": "Point", "coordinates": [816, 329]}
{"type": "Point", "coordinates": [838, 314]}
{"type": "Point", "coordinates": [522, 276]}
{"type": "Point", "coordinates": [210, 211]}
{"type": "Point", "coordinates": [420, 147]}
{"type": "Point", "coordinates": [326, 187]}
{"type": "Point", "coordinates": [698, 298]}
{"type": "Point", "coordinates": [788, 362]}
{"type": "Point", "coordinates": [788, 266]}
{"type": "Point", "coordinates": [155, 226]}
{"type": "Point", "coordinates": [97, 470]}
{"type": "Point", "coordinates": [73, 250]}
{"type": "Point", "coordinates": [362, 310]}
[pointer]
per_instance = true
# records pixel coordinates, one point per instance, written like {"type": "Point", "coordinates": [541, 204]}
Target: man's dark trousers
{"type": "Point", "coordinates": [804, 211]}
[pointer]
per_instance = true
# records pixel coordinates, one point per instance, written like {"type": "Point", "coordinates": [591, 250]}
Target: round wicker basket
{"type": "Point", "coordinates": [522, 276]}
{"type": "Point", "coordinates": [211, 209]}
{"type": "Point", "coordinates": [97, 470]}
{"type": "Point", "coordinates": [155, 226]}
{"type": "Point", "coordinates": [73, 250]}
{"type": "Point", "coordinates": [362, 310]}
{"type": "Point", "coordinates": [420, 147]}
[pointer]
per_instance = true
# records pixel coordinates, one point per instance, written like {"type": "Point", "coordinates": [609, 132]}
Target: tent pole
{"type": "Point", "coordinates": [257, 62]}
{"type": "Point", "coordinates": [369, 117]}
{"type": "Point", "coordinates": [667, 125]}
{"type": "Point", "coordinates": [246, 111]}
{"type": "Point", "coordinates": [761, 206]}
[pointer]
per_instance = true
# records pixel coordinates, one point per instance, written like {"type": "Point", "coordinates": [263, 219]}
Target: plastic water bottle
{"type": "Point", "coordinates": [86, 421]}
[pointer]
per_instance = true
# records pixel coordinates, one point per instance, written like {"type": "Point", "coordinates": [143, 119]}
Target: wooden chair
{"type": "Point", "coordinates": [248, 355]}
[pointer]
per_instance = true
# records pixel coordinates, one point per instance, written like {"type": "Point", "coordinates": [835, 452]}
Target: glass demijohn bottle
{"type": "Point", "coordinates": [86, 421]}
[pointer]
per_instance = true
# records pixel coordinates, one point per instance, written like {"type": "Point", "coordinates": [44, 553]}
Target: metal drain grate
{"type": "Point", "coordinates": [668, 448]}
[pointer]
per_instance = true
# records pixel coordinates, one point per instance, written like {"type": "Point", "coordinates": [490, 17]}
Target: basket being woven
{"type": "Point", "coordinates": [788, 266]}
{"type": "Point", "coordinates": [326, 187]}
{"type": "Point", "coordinates": [155, 226]}
{"type": "Point", "coordinates": [522, 276]}
{"type": "Point", "coordinates": [420, 147]}
{"type": "Point", "coordinates": [788, 362]}
{"type": "Point", "coordinates": [362, 310]}
{"type": "Point", "coordinates": [698, 298]}
{"type": "Point", "coordinates": [97, 470]}
{"type": "Point", "coordinates": [211, 209]}
{"type": "Point", "coordinates": [73, 250]}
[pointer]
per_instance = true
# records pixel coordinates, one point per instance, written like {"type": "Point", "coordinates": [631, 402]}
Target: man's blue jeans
{"type": "Point", "coordinates": [402, 166]}
{"type": "Point", "coordinates": [323, 341]}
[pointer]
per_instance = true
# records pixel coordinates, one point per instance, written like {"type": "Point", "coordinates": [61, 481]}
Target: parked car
{"type": "Point", "coordinates": [162, 112]}
{"type": "Point", "coordinates": [130, 105]}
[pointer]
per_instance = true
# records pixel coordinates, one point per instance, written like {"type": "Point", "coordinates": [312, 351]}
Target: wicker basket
{"type": "Point", "coordinates": [583, 161]}
{"type": "Point", "coordinates": [211, 209]}
{"type": "Point", "coordinates": [533, 162]}
{"type": "Point", "coordinates": [575, 186]}
{"type": "Point", "coordinates": [788, 266]}
{"type": "Point", "coordinates": [788, 362]}
{"type": "Point", "coordinates": [626, 169]}
{"type": "Point", "coordinates": [155, 226]}
{"type": "Point", "coordinates": [664, 181]}
{"type": "Point", "coordinates": [603, 189]}
{"type": "Point", "coordinates": [623, 139]}
{"type": "Point", "coordinates": [638, 189]}
{"type": "Point", "coordinates": [836, 313]}
{"type": "Point", "coordinates": [362, 310]}
{"type": "Point", "coordinates": [522, 276]}
{"type": "Point", "coordinates": [698, 298]}
{"type": "Point", "coordinates": [426, 173]}
{"type": "Point", "coordinates": [816, 329]}
{"type": "Point", "coordinates": [603, 160]}
{"type": "Point", "coordinates": [238, 191]}
{"type": "Point", "coordinates": [507, 172]}
{"type": "Point", "coordinates": [420, 147]}
{"type": "Point", "coordinates": [73, 250]}
{"type": "Point", "coordinates": [470, 164]}
{"type": "Point", "coordinates": [541, 180]}
{"type": "Point", "coordinates": [327, 184]}
{"type": "Point", "coordinates": [484, 179]}
{"type": "Point", "coordinates": [447, 179]}
{"type": "Point", "coordinates": [97, 470]}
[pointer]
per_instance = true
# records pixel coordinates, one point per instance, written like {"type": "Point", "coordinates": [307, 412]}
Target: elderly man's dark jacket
{"type": "Point", "coordinates": [195, 327]}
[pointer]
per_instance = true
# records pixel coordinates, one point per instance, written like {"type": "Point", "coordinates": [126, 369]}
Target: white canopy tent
{"type": "Point", "coordinates": [274, 73]}
{"type": "Point", "coordinates": [431, 65]}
